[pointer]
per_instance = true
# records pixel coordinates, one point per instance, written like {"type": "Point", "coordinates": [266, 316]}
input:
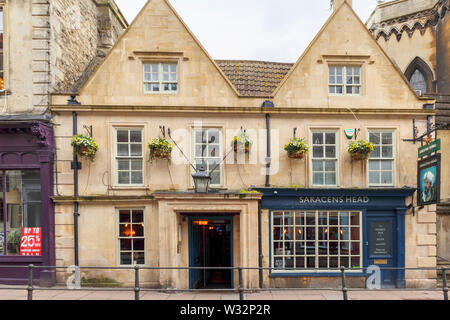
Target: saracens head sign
{"type": "Point", "coordinates": [335, 200]}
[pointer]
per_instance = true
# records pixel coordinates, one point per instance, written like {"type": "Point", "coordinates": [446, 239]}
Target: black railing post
{"type": "Point", "coordinates": [344, 286]}
{"type": "Point", "coordinates": [136, 283]}
{"type": "Point", "coordinates": [241, 290]}
{"type": "Point", "coordinates": [30, 282]}
{"type": "Point", "coordinates": [444, 283]}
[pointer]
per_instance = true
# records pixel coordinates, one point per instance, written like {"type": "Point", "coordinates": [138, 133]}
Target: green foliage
{"type": "Point", "coordinates": [296, 145]}
{"type": "Point", "coordinates": [245, 191]}
{"type": "Point", "coordinates": [85, 146]}
{"type": "Point", "coordinates": [361, 147]}
{"type": "Point", "coordinates": [242, 139]}
{"type": "Point", "coordinates": [160, 148]}
{"type": "Point", "coordinates": [100, 282]}
{"type": "Point", "coordinates": [14, 237]}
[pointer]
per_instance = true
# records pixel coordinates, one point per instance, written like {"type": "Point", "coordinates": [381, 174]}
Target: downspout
{"type": "Point", "coordinates": [75, 166]}
{"type": "Point", "coordinates": [266, 104]}
{"type": "Point", "coordinates": [75, 191]}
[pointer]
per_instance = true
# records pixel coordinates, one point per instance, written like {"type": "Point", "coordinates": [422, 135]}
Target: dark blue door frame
{"type": "Point", "coordinates": [192, 246]}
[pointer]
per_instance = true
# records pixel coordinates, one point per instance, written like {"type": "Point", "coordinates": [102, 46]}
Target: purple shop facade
{"type": "Point", "coordinates": [28, 146]}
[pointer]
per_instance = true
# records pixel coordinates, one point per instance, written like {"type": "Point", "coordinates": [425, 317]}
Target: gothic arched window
{"type": "Point", "coordinates": [418, 81]}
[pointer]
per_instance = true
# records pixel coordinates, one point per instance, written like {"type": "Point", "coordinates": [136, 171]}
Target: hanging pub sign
{"type": "Point", "coordinates": [430, 148]}
{"type": "Point", "coordinates": [30, 242]}
{"type": "Point", "coordinates": [429, 180]}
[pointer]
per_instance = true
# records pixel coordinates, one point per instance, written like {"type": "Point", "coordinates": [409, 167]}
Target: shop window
{"type": "Point", "coordinates": [320, 240]}
{"type": "Point", "coordinates": [382, 159]}
{"type": "Point", "coordinates": [129, 157]}
{"type": "Point", "coordinates": [131, 237]}
{"type": "Point", "coordinates": [160, 77]}
{"type": "Point", "coordinates": [344, 80]}
{"type": "Point", "coordinates": [324, 158]}
{"type": "Point", "coordinates": [208, 152]}
{"type": "Point", "coordinates": [20, 207]}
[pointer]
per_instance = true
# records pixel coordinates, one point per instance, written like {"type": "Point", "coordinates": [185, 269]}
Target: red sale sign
{"type": "Point", "coordinates": [30, 242]}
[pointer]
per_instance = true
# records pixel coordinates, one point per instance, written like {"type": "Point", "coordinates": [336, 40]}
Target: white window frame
{"type": "Point", "coordinates": [160, 81]}
{"type": "Point", "coordinates": [316, 256]}
{"type": "Point", "coordinates": [337, 156]}
{"type": "Point", "coordinates": [219, 158]}
{"type": "Point", "coordinates": [119, 237]}
{"type": "Point", "coordinates": [344, 82]}
{"type": "Point", "coordinates": [393, 158]}
{"type": "Point", "coordinates": [117, 158]}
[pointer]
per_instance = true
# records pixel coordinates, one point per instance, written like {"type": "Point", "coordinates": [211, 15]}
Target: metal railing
{"type": "Point", "coordinates": [137, 288]}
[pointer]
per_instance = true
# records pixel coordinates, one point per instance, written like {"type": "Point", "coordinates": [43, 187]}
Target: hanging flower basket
{"type": "Point", "coordinates": [160, 148]}
{"type": "Point", "coordinates": [296, 148]}
{"type": "Point", "coordinates": [360, 150]}
{"type": "Point", "coordinates": [241, 142]}
{"type": "Point", "coordinates": [85, 146]}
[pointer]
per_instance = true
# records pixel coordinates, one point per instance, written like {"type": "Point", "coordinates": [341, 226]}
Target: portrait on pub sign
{"type": "Point", "coordinates": [429, 181]}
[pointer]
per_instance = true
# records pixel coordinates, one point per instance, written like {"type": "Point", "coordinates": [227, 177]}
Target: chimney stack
{"type": "Point", "coordinates": [337, 3]}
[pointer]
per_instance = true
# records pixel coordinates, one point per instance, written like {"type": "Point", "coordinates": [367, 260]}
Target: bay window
{"type": "Point", "coordinates": [316, 240]}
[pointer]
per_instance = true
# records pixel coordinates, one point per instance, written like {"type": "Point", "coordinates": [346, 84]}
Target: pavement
{"type": "Point", "coordinates": [10, 293]}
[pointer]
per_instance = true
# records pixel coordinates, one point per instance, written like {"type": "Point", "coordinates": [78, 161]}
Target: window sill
{"type": "Point", "coordinates": [129, 188]}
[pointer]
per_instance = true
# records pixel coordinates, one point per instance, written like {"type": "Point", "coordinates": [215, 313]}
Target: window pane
{"type": "Point", "coordinates": [125, 244]}
{"type": "Point", "coordinates": [124, 177]}
{"type": "Point", "coordinates": [317, 138]}
{"type": "Point", "coordinates": [330, 138]}
{"type": "Point", "coordinates": [387, 152]}
{"type": "Point", "coordinates": [136, 149]}
{"type": "Point", "coordinates": [330, 178]}
{"type": "Point", "coordinates": [318, 152]}
{"type": "Point", "coordinates": [330, 166]}
{"type": "Point", "coordinates": [122, 150]}
{"type": "Point", "coordinates": [376, 152]}
{"type": "Point", "coordinates": [374, 177]}
{"type": "Point", "coordinates": [386, 165]}
{"type": "Point", "coordinates": [124, 165]}
{"type": "Point", "coordinates": [374, 165]}
{"type": "Point", "coordinates": [125, 258]}
{"type": "Point", "coordinates": [330, 152]}
{"type": "Point", "coordinates": [139, 257]}
{"type": "Point", "coordinates": [136, 136]}
{"type": "Point", "coordinates": [318, 178]}
{"type": "Point", "coordinates": [138, 216]}
{"type": "Point", "coordinates": [136, 178]}
{"type": "Point", "coordinates": [124, 216]}
{"type": "Point", "coordinates": [386, 177]}
{"type": "Point", "coordinates": [277, 218]}
{"type": "Point", "coordinates": [122, 135]}
{"type": "Point", "coordinates": [138, 244]}
{"type": "Point", "coordinates": [339, 89]}
{"type": "Point", "coordinates": [318, 165]}
{"type": "Point", "coordinates": [136, 165]}
{"type": "Point", "coordinates": [374, 137]}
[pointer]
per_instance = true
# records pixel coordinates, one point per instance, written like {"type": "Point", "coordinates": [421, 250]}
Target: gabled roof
{"type": "Point", "coordinates": [254, 78]}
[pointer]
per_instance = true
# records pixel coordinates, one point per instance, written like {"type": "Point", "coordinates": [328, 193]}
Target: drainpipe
{"type": "Point", "coordinates": [75, 191]}
{"type": "Point", "coordinates": [75, 166]}
{"type": "Point", "coordinates": [260, 262]}
{"type": "Point", "coordinates": [266, 104]}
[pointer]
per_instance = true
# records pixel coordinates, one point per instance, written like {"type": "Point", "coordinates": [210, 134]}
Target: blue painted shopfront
{"type": "Point", "coordinates": [382, 212]}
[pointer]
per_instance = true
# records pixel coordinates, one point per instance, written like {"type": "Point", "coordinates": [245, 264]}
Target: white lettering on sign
{"type": "Point", "coordinates": [334, 199]}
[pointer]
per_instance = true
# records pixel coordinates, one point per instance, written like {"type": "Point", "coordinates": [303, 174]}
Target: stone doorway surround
{"type": "Point", "coordinates": [172, 210]}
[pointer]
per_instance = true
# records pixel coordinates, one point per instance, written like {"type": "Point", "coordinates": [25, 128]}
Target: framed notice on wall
{"type": "Point", "coordinates": [429, 180]}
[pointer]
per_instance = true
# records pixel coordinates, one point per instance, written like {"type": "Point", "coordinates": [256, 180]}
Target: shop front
{"type": "Point", "coordinates": [314, 232]}
{"type": "Point", "coordinates": [26, 211]}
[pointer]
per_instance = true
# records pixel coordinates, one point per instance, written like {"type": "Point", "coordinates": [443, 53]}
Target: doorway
{"type": "Point", "coordinates": [211, 245]}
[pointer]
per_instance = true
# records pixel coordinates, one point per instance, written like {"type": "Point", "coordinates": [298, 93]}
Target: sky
{"type": "Point", "coordinates": [267, 30]}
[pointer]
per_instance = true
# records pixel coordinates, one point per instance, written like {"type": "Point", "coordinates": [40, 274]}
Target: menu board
{"type": "Point", "coordinates": [380, 238]}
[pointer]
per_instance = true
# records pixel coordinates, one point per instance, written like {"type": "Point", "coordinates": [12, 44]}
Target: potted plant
{"type": "Point", "coordinates": [241, 142]}
{"type": "Point", "coordinates": [160, 148]}
{"type": "Point", "coordinates": [13, 241]}
{"type": "Point", "coordinates": [84, 146]}
{"type": "Point", "coordinates": [296, 148]}
{"type": "Point", "coordinates": [360, 150]}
